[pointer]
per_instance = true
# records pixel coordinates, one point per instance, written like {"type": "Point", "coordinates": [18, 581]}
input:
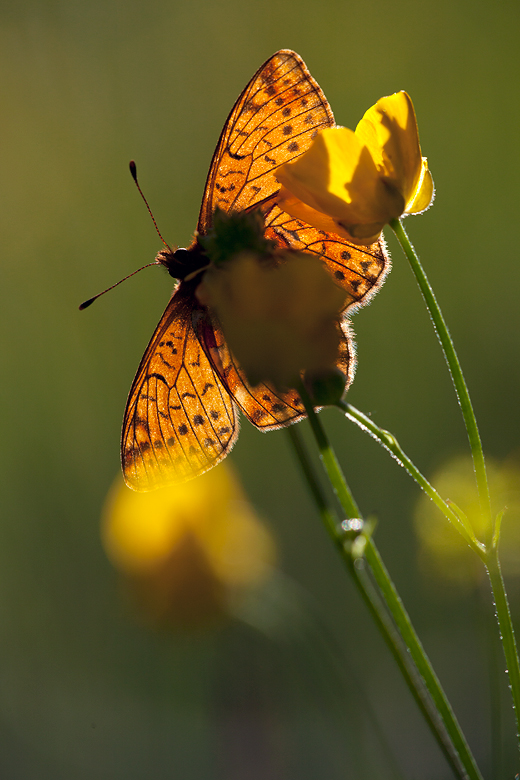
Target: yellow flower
{"type": "Point", "coordinates": [187, 551]}
{"type": "Point", "coordinates": [279, 318]}
{"type": "Point", "coordinates": [442, 551]}
{"type": "Point", "coordinates": [354, 183]}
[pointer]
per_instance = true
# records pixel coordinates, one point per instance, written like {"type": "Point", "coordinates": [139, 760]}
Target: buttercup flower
{"type": "Point", "coordinates": [187, 551]}
{"type": "Point", "coordinates": [354, 183]}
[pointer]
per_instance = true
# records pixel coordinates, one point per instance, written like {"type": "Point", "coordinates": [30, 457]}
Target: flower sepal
{"type": "Point", "coordinates": [325, 388]}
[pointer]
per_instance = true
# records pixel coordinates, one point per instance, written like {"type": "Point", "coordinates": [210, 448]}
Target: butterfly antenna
{"type": "Point", "coordinates": [85, 304]}
{"type": "Point", "coordinates": [133, 171]}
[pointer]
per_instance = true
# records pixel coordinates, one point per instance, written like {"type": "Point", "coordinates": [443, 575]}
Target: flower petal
{"type": "Point", "coordinates": [300, 210]}
{"type": "Point", "coordinates": [389, 130]}
{"type": "Point", "coordinates": [337, 179]}
{"type": "Point", "coordinates": [355, 183]}
{"type": "Point", "coordinates": [360, 234]}
{"type": "Point", "coordinates": [425, 193]}
{"type": "Point", "coordinates": [318, 177]}
{"type": "Point", "coordinates": [188, 551]}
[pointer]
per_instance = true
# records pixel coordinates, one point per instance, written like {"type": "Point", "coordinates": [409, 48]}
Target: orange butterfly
{"type": "Point", "coordinates": [181, 415]}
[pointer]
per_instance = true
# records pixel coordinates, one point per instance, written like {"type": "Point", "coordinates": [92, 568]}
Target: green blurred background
{"type": "Point", "coordinates": [85, 87]}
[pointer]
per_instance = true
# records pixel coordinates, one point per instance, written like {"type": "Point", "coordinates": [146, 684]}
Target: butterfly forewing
{"type": "Point", "coordinates": [179, 420]}
{"type": "Point", "coordinates": [273, 122]}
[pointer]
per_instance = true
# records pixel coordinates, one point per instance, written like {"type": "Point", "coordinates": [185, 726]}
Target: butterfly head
{"type": "Point", "coordinates": [183, 262]}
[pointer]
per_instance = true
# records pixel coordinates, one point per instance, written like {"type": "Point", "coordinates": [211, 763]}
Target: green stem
{"type": "Point", "coordinates": [447, 732]}
{"type": "Point", "coordinates": [488, 555]}
{"type": "Point", "coordinates": [421, 660]}
{"type": "Point", "coordinates": [390, 443]}
{"type": "Point", "coordinates": [491, 542]}
{"type": "Point", "coordinates": [507, 634]}
{"type": "Point", "coordinates": [377, 608]}
{"type": "Point", "coordinates": [328, 456]}
{"type": "Point", "coordinates": [311, 480]}
{"type": "Point", "coordinates": [452, 360]}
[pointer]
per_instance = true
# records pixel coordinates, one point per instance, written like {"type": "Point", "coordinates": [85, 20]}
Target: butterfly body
{"type": "Point", "coordinates": [181, 415]}
{"type": "Point", "coordinates": [181, 263]}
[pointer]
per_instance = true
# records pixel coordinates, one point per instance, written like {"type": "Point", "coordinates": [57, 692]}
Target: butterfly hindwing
{"type": "Point", "coordinates": [264, 406]}
{"type": "Point", "coordinates": [361, 270]}
{"type": "Point", "coordinates": [179, 419]}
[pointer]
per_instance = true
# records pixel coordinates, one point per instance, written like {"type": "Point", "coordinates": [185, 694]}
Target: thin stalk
{"type": "Point", "coordinates": [491, 543]}
{"type": "Point", "coordinates": [376, 607]}
{"type": "Point", "coordinates": [330, 462]}
{"type": "Point", "coordinates": [488, 555]}
{"type": "Point", "coordinates": [390, 443]}
{"type": "Point", "coordinates": [455, 369]}
{"type": "Point", "coordinates": [507, 634]}
{"type": "Point", "coordinates": [378, 611]}
{"type": "Point", "coordinates": [448, 734]}
{"type": "Point", "coordinates": [421, 660]}
{"type": "Point", "coordinates": [493, 654]}
{"type": "Point", "coordinates": [327, 514]}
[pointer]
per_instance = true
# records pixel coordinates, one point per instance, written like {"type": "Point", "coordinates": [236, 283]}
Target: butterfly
{"type": "Point", "coordinates": [181, 416]}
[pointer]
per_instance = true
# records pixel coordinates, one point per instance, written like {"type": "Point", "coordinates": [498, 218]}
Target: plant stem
{"type": "Point", "coordinates": [376, 608]}
{"type": "Point", "coordinates": [406, 645]}
{"type": "Point", "coordinates": [328, 515]}
{"type": "Point", "coordinates": [390, 443]}
{"type": "Point", "coordinates": [488, 555]}
{"type": "Point", "coordinates": [452, 360]}
{"type": "Point", "coordinates": [507, 634]}
{"type": "Point", "coordinates": [330, 462]}
{"type": "Point", "coordinates": [378, 611]}
{"type": "Point", "coordinates": [421, 660]}
{"type": "Point", "coordinates": [491, 542]}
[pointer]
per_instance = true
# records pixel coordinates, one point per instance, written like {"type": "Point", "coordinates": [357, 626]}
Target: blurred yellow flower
{"type": "Point", "coordinates": [354, 183]}
{"type": "Point", "coordinates": [442, 551]}
{"type": "Point", "coordinates": [279, 318]}
{"type": "Point", "coordinates": [187, 550]}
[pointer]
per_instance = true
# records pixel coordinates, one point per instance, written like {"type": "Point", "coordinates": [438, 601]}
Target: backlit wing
{"type": "Point", "coordinates": [179, 419]}
{"type": "Point", "coordinates": [273, 121]}
{"type": "Point", "coordinates": [359, 270]}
